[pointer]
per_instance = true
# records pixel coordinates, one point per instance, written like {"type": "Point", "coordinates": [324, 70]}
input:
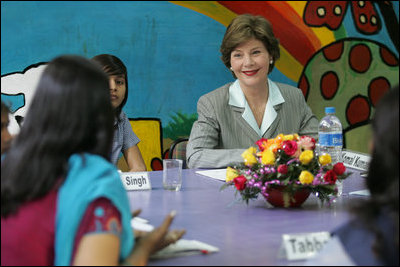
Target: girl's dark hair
{"type": "Point", "coordinates": [112, 65]}
{"type": "Point", "coordinates": [70, 113]}
{"type": "Point", "coordinates": [383, 175]}
{"type": "Point", "coordinates": [4, 108]}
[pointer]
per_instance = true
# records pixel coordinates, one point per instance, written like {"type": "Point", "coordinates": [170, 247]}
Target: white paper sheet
{"type": "Point", "coordinates": [184, 247]}
{"type": "Point", "coordinates": [141, 224]}
{"type": "Point", "coordinates": [219, 174]}
{"type": "Point", "coordinates": [361, 193]}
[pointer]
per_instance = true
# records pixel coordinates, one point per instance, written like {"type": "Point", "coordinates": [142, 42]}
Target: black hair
{"type": "Point", "coordinates": [4, 108]}
{"type": "Point", "coordinates": [70, 113]}
{"type": "Point", "coordinates": [383, 178]}
{"type": "Point", "coordinates": [112, 65]}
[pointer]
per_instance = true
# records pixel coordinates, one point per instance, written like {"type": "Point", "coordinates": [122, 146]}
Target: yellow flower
{"type": "Point", "coordinates": [268, 157]}
{"type": "Point", "coordinates": [306, 157]}
{"type": "Point", "coordinates": [249, 156]}
{"type": "Point", "coordinates": [325, 159]}
{"type": "Point", "coordinates": [231, 174]}
{"type": "Point", "coordinates": [288, 137]}
{"type": "Point", "coordinates": [306, 177]}
{"type": "Point", "coordinates": [279, 137]}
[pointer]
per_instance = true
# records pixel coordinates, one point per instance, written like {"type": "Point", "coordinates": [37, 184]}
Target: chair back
{"type": "Point", "coordinates": [178, 150]}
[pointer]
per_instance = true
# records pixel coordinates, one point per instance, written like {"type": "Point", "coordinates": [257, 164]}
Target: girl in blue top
{"type": "Point", "coordinates": [125, 140]}
{"type": "Point", "coordinates": [58, 184]}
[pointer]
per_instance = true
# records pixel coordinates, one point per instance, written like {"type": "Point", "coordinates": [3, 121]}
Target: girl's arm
{"type": "Point", "coordinates": [134, 159]}
{"type": "Point", "coordinates": [103, 248]}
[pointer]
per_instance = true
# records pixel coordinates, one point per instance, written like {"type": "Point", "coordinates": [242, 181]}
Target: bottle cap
{"type": "Point", "coordinates": [330, 110]}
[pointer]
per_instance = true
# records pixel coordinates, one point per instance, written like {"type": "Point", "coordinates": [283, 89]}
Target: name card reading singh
{"type": "Point", "coordinates": [304, 246]}
{"type": "Point", "coordinates": [135, 180]}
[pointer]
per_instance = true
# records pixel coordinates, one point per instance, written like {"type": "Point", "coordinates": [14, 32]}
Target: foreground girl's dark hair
{"type": "Point", "coordinates": [383, 178]}
{"type": "Point", "coordinates": [70, 113]}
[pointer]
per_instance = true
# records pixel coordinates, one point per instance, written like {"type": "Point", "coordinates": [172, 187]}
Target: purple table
{"type": "Point", "coordinates": [245, 234]}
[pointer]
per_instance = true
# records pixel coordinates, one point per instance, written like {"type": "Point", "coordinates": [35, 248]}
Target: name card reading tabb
{"type": "Point", "coordinates": [135, 180]}
{"type": "Point", "coordinates": [303, 246]}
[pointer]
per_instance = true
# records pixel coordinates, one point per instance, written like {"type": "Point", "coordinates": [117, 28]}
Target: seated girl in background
{"type": "Point", "coordinates": [125, 140]}
{"type": "Point", "coordinates": [62, 201]}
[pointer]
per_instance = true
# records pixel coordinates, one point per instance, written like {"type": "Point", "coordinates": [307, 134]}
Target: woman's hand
{"type": "Point", "coordinates": [161, 237]}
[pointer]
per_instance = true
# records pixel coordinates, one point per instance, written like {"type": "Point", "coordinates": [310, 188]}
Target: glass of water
{"type": "Point", "coordinates": [172, 174]}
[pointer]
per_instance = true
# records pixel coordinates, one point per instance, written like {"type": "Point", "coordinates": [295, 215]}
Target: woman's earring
{"type": "Point", "coordinates": [271, 61]}
{"type": "Point", "coordinates": [231, 68]}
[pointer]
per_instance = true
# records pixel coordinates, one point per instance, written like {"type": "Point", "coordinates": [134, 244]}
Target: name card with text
{"type": "Point", "coordinates": [303, 246]}
{"type": "Point", "coordinates": [356, 160]}
{"type": "Point", "coordinates": [135, 180]}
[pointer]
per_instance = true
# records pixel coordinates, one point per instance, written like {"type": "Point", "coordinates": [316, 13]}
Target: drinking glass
{"type": "Point", "coordinates": [172, 174]}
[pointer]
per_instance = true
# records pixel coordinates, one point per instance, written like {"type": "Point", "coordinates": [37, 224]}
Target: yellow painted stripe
{"type": "Point", "coordinates": [212, 9]}
{"type": "Point", "coordinates": [288, 65]}
{"type": "Point", "coordinates": [325, 35]}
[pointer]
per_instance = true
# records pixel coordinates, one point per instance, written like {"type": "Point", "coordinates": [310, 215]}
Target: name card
{"type": "Point", "coordinates": [135, 180]}
{"type": "Point", "coordinates": [303, 246]}
{"type": "Point", "coordinates": [356, 160]}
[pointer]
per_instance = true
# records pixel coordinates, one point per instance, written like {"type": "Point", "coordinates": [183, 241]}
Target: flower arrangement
{"type": "Point", "coordinates": [287, 160]}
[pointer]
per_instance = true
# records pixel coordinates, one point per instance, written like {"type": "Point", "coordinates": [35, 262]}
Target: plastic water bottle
{"type": "Point", "coordinates": [330, 138]}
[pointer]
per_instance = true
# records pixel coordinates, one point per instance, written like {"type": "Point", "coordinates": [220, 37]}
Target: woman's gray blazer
{"type": "Point", "coordinates": [220, 134]}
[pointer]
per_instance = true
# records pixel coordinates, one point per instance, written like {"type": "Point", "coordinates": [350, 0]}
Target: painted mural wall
{"type": "Point", "coordinates": [339, 53]}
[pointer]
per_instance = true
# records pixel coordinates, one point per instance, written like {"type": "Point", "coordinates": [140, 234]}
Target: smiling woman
{"type": "Point", "coordinates": [236, 115]}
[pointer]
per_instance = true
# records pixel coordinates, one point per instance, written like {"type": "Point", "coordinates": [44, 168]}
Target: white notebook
{"type": "Point", "coordinates": [184, 247]}
{"type": "Point", "coordinates": [219, 174]}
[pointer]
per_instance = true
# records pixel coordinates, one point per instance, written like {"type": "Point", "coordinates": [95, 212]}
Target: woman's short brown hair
{"type": "Point", "coordinates": [245, 27]}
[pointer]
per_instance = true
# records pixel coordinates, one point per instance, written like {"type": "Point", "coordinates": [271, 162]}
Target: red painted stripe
{"type": "Point", "coordinates": [288, 27]}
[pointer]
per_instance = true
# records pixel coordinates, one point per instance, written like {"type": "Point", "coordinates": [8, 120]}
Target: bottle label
{"type": "Point", "coordinates": [330, 139]}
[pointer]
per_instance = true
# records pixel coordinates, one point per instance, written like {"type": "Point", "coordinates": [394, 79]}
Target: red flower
{"type": "Point", "coordinates": [262, 143]}
{"type": "Point", "coordinates": [290, 147]}
{"type": "Point", "coordinates": [339, 168]}
{"type": "Point", "coordinates": [240, 182]}
{"type": "Point", "coordinates": [330, 177]}
{"type": "Point", "coordinates": [283, 169]}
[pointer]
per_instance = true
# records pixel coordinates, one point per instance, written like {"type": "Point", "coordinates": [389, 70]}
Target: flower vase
{"type": "Point", "coordinates": [278, 196]}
